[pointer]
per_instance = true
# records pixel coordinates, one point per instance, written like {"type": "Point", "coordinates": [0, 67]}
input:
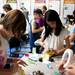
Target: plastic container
{"type": "Point", "coordinates": [34, 50]}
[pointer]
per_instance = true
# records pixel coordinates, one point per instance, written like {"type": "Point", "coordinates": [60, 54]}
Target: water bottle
{"type": "Point", "coordinates": [34, 50]}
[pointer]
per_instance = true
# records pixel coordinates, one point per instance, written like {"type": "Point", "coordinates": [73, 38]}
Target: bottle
{"type": "Point", "coordinates": [34, 50]}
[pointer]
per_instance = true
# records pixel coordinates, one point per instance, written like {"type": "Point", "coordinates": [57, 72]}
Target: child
{"type": "Point", "coordinates": [54, 33]}
{"type": "Point", "coordinates": [37, 26]}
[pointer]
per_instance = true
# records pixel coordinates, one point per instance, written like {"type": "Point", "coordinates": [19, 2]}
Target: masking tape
{"type": "Point", "coordinates": [67, 54]}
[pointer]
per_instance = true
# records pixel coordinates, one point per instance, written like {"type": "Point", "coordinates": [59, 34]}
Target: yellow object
{"type": "Point", "coordinates": [48, 54]}
{"type": "Point", "coordinates": [21, 72]}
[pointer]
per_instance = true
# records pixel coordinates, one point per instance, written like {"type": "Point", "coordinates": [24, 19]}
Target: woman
{"type": "Point", "coordinates": [13, 25]}
{"type": "Point", "coordinates": [54, 33]}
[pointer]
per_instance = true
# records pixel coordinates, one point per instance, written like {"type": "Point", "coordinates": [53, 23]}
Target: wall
{"type": "Point", "coordinates": [69, 7]}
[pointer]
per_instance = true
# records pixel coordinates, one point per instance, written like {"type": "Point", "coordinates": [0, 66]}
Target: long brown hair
{"type": "Point", "coordinates": [15, 21]}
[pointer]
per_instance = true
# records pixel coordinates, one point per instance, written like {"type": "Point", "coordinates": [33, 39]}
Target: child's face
{"type": "Point", "coordinates": [52, 24]}
{"type": "Point", "coordinates": [36, 16]}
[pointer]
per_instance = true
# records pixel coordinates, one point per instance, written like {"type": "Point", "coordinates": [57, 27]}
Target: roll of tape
{"type": "Point", "coordinates": [67, 56]}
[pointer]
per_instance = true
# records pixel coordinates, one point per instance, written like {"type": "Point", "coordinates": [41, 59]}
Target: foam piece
{"type": "Point", "coordinates": [67, 56]}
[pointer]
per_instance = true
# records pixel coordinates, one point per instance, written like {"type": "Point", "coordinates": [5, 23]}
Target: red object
{"type": "Point", "coordinates": [27, 55]}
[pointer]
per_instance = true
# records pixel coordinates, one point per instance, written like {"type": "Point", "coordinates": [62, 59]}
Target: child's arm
{"type": "Point", "coordinates": [34, 30]}
{"type": "Point", "coordinates": [4, 33]}
{"type": "Point", "coordinates": [64, 48]}
{"type": "Point", "coordinates": [37, 30]}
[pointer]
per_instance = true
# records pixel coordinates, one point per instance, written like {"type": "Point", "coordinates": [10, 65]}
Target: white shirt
{"type": "Point", "coordinates": [56, 42]}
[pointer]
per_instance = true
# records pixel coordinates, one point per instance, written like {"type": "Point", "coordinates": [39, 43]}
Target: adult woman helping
{"type": "Point", "coordinates": [13, 25]}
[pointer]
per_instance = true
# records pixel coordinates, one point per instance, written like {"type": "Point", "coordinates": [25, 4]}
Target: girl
{"type": "Point", "coordinates": [37, 25]}
{"type": "Point", "coordinates": [54, 34]}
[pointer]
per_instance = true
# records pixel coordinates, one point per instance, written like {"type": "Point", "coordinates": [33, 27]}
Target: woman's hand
{"type": "Point", "coordinates": [70, 70]}
{"type": "Point", "coordinates": [59, 51]}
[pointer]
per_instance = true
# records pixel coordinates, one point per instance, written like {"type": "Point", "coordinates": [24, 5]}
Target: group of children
{"type": "Point", "coordinates": [52, 29]}
{"type": "Point", "coordinates": [50, 26]}
{"type": "Point", "coordinates": [56, 37]}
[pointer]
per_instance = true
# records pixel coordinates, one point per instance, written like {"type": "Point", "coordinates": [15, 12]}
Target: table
{"type": "Point", "coordinates": [46, 67]}
{"type": "Point", "coordinates": [16, 70]}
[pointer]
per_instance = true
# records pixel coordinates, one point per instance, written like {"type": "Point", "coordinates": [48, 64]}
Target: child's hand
{"type": "Point", "coordinates": [57, 52]}
{"type": "Point", "coordinates": [60, 66]}
{"type": "Point", "coordinates": [21, 62]}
